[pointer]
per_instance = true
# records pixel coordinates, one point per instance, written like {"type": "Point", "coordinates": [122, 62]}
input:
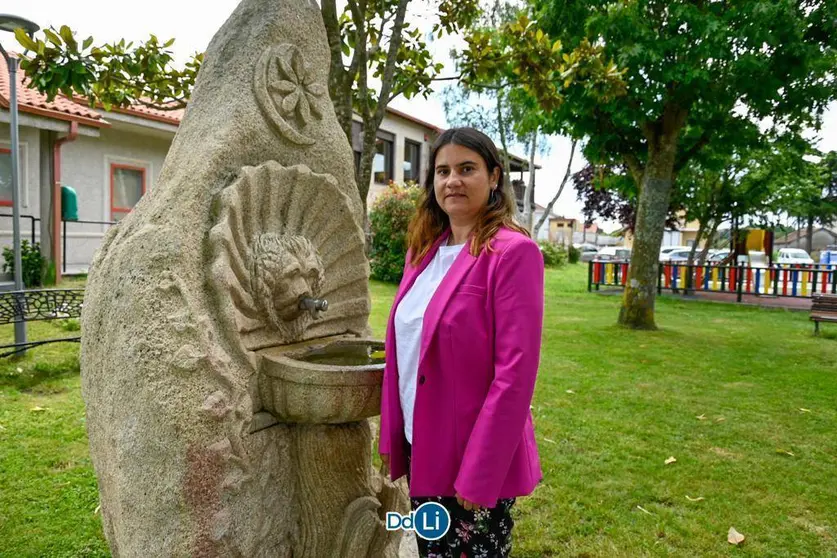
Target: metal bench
{"type": "Point", "coordinates": [39, 304]}
{"type": "Point", "coordinates": [823, 309]}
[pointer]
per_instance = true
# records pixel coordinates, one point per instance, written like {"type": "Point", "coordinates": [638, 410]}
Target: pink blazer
{"type": "Point", "coordinates": [480, 347]}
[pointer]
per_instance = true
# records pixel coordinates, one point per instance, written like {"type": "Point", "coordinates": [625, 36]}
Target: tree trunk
{"type": "Point", "coordinates": [809, 239]}
{"type": "Point", "coordinates": [691, 261]}
{"type": "Point", "coordinates": [339, 82]}
{"type": "Point", "coordinates": [501, 125]}
{"type": "Point", "coordinates": [655, 192]}
{"type": "Point", "coordinates": [709, 239]}
{"type": "Point", "coordinates": [552, 202]}
{"type": "Point", "coordinates": [528, 193]}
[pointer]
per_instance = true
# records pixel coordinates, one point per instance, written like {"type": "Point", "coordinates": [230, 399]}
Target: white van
{"type": "Point", "coordinates": [794, 256]}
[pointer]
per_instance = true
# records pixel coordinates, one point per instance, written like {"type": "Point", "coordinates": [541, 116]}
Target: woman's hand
{"type": "Point", "coordinates": [467, 504]}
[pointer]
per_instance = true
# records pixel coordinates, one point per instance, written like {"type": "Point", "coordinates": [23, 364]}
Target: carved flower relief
{"type": "Point", "coordinates": [293, 80]}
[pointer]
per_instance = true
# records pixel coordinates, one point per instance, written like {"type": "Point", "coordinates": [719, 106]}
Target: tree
{"type": "Point", "coordinates": [695, 72]}
{"type": "Point", "coordinates": [609, 193]}
{"type": "Point", "coordinates": [368, 41]}
{"type": "Point", "coordinates": [114, 75]}
{"type": "Point", "coordinates": [813, 195]}
{"type": "Point", "coordinates": [557, 195]}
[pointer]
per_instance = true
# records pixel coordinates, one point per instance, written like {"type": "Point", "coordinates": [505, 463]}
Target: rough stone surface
{"type": "Point", "coordinates": [166, 360]}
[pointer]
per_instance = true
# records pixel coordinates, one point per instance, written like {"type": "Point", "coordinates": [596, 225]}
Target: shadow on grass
{"type": "Point", "coordinates": [27, 378]}
{"type": "Point", "coordinates": [831, 335]}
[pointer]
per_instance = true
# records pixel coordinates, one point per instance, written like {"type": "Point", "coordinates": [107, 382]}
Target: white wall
{"type": "Point", "coordinates": [29, 178]}
{"type": "Point", "coordinates": [85, 166]}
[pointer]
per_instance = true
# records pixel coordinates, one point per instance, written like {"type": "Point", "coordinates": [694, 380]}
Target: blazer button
{"type": "Point", "coordinates": [421, 380]}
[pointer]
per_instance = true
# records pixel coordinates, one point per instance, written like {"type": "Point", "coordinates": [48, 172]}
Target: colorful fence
{"type": "Point", "coordinates": [790, 281]}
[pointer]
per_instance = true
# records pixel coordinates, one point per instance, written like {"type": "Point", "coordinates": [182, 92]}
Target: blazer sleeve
{"type": "Point", "coordinates": [389, 353]}
{"type": "Point", "coordinates": [518, 323]}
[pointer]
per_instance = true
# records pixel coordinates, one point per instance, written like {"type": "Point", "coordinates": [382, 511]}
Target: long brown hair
{"type": "Point", "coordinates": [430, 220]}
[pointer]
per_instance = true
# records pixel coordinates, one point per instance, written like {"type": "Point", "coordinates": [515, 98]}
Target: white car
{"type": "Point", "coordinates": [718, 255]}
{"type": "Point", "coordinates": [613, 253]}
{"type": "Point", "coordinates": [665, 251]}
{"type": "Point", "coordinates": [794, 256]}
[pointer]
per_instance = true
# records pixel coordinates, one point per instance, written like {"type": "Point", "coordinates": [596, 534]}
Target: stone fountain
{"type": "Point", "coordinates": [227, 364]}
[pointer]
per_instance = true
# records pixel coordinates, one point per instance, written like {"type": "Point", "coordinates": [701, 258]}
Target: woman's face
{"type": "Point", "coordinates": [462, 183]}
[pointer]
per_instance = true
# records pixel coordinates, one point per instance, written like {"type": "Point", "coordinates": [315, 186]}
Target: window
{"type": "Point", "coordinates": [412, 161]}
{"type": "Point", "coordinates": [5, 177]}
{"type": "Point", "coordinates": [382, 163]}
{"type": "Point", "coordinates": [127, 186]}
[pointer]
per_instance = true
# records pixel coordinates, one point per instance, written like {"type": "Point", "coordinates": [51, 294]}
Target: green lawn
{"type": "Point", "coordinates": [610, 407]}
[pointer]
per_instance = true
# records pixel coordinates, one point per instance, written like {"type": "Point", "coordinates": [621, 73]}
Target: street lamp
{"type": "Point", "coordinates": [10, 23]}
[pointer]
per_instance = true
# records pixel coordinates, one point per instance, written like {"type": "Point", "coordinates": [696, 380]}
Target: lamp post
{"type": "Point", "coordinates": [10, 23]}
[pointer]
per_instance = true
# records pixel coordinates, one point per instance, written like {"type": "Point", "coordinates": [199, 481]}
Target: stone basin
{"type": "Point", "coordinates": [327, 381]}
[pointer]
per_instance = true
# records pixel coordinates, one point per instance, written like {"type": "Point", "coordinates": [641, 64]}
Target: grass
{"type": "Point", "coordinates": [611, 406]}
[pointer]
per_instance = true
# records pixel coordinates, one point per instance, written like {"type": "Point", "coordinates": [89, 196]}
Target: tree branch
{"type": "Point", "coordinates": [554, 199]}
{"type": "Point", "coordinates": [687, 155]}
{"type": "Point", "coordinates": [392, 55]}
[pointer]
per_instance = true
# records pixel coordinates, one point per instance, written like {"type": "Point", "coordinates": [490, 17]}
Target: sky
{"type": "Point", "coordinates": [192, 24]}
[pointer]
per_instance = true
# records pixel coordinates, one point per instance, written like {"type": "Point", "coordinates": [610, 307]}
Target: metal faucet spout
{"type": "Point", "coordinates": [313, 305]}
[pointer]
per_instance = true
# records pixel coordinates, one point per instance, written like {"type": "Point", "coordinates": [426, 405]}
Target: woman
{"type": "Point", "coordinates": [463, 344]}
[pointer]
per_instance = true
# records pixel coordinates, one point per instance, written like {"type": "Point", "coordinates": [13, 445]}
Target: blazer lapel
{"type": "Point", "coordinates": [412, 273]}
{"type": "Point", "coordinates": [440, 298]}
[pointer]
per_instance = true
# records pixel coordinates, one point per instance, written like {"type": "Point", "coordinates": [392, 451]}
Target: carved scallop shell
{"type": "Point", "coordinates": [273, 205]}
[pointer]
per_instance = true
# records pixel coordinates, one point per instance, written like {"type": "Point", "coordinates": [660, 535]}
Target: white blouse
{"type": "Point", "coordinates": [409, 318]}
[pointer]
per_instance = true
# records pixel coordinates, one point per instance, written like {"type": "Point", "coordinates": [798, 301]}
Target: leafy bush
{"type": "Point", "coordinates": [554, 255]}
{"type": "Point", "coordinates": [33, 262]}
{"type": "Point", "coordinates": [388, 219]}
{"type": "Point", "coordinates": [574, 254]}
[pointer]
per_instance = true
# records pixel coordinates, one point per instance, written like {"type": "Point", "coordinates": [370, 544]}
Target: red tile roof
{"type": "Point", "coordinates": [33, 102]}
{"type": "Point", "coordinates": [168, 116]}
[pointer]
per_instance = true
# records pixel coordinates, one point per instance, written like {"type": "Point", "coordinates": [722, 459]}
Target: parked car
{"type": "Point", "coordinates": [829, 255]}
{"type": "Point", "coordinates": [665, 251]}
{"type": "Point", "coordinates": [681, 256]}
{"type": "Point", "coordinates": [588, 251]}
{"type": "Point", "coordinates": [794, 256]}
{"type": "Point", "coordinates": [717, 256]}
{"type": "Point", "coordinates": [614, 253]}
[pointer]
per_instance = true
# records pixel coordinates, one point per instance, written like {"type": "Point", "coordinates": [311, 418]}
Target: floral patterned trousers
{"type": "Point", "coordinates": [482, 533]}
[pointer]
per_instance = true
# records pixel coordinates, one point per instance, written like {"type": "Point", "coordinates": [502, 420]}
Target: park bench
{"type": "Point", "coordinates": [823, 309]}
{"type": "Point", "coordinates": [39, 304]}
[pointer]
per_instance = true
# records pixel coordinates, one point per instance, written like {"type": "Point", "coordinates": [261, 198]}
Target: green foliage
{"type": "Point", "coordinates": [521, 53]}
{"type": "Point", "coordinates": [554, 255]}
{"type": "Point", "coordinates": [573, 254]}
{"type": "Point", "coordinates": [118, 74]}
{"type": "Point", "coordinates": [33, 262]}
{"type": "Point", "coordinates": [388, 219]}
